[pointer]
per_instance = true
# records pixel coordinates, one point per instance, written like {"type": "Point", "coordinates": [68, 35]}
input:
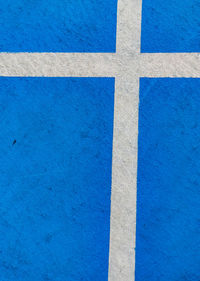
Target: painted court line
{"type": "Point", "coordinates": [123, 203]}
{"type": "Point", "coordinates": [100, 65]}
{"type": "Point", "coordinates": [127, 65]}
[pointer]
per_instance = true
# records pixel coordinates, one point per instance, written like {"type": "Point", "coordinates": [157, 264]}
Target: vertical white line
{"type": "Point", "coordinates": [129, 27]}
{"type": "Point", "coordinates": [123, 203]}
{"type": "Point", "coordinates": [124, 169]}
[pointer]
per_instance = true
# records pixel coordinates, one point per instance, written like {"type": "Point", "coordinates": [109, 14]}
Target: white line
{"type": "Point", "coordinates": [123, 206]}
{"type": "Point", "coordinates": [100, 65]}
{"type": "Point", "coordinates": [124, 173]}
{"type": "Point", "coordinates": [56, 64]}
{"type": "Point", "coordinates": [170, 65]}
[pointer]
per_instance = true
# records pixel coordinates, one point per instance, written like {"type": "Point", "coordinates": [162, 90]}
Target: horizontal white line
{"type": "Point", "coordinates": [170, 65]}
{"type": "Point", "coordinates": [56, 64]}
{"type": "Point", "coordinates": [100, 65]}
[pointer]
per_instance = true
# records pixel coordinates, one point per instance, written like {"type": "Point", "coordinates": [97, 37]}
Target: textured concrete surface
{"type": "Point", "coordinates": [124, 167]}
{"type": "Point", "coordinates": [58, 26]}
{"type": "Point", "coordinates": [122, 227]}
{"type": "Point", "coordinates": [55, 184]}
{"type": "Point", "coordinates": [127, 65]}
{"type": "Point", "coordinates": [168, 180]}
{"type": "Point", "coordinates": [170, 26]}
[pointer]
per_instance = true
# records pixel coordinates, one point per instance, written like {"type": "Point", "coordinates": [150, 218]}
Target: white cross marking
{"type": "Point", "coordinates": [126, 65]}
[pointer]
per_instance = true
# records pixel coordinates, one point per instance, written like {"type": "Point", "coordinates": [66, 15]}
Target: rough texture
{"type": "Point", "coordinates": [123, 65]}
{"type": "Point", "coordinates": [170, 26]}
{"type": "Point", "coordinates": [55, 183]}
{"type": "Point", "coordinates": [58, 26]}
{"type": "Point", "coordinates": [168, 189]}
{"type": "Point", "coordinates": [127, 65]}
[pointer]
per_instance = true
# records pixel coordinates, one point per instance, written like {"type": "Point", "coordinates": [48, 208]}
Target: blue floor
{"type": "Point", "coordinates": [170, 26]}
{"type": "Point", "coordinates": [168, 188]}
{"type": "Point", "coordinates": [55, 178]}
{"type": "Point", "coordinates": [58, 25]}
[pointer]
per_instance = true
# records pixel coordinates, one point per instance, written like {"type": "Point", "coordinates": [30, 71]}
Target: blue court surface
{"type": "Point", "coordinates": [58, 26]}
{"type": "Point", "coordinates": [170, 26]}
{"type": "Point", "coordinates": [55, 178]}
{"type": "Point", "coordinates": [168, 199]}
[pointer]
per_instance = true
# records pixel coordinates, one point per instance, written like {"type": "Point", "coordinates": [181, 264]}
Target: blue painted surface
{"type": "Point", "coordinates": [58, 26]}
{"type": "Point", "coordinates": [55, 178]}
{"type": "Point", "coordinates": [168, 200]}
{"type": "Point", "coordinates": [170, 26]}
